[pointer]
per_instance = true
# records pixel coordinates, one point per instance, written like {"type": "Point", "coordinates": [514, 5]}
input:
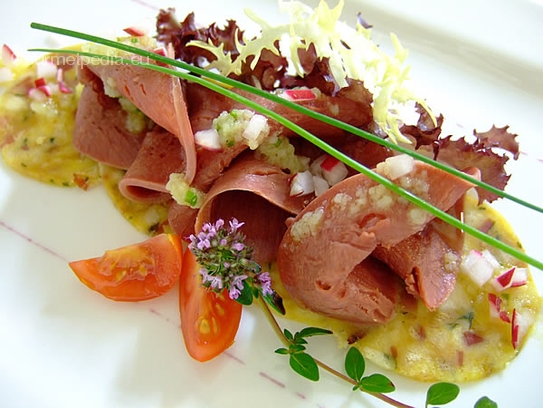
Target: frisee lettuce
{"type": "Point", "coordinates": [351, 54]}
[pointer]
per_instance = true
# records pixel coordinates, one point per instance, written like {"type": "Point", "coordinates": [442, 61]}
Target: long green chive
{"type": "Point", "coordinates": [292, 126]}
{"type": "Point", "coordinates": [315, 115]}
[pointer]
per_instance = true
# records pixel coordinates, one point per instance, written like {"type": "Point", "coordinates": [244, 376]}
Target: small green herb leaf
{"type": "Point", "coordinates": [312, 331]}
{"type": "Point", "coordinates": [355, 365]}
{"type": "Point", "coordinates": [288, 335]}
{"type": "Point", "coordinates": [305, 365]}
{"type": "Point", "coordinates": [246, 295]}
{"type": "Point", "coordinates": [296, 348]}
{"type": "Point", "coordinates": [282, 350]}
{"type": "Point", "coordinates": [377, 383]}
{"type": "Point", "coordinates": [485, 402]}
{"type": "Point", "coordinates": [441, 393]}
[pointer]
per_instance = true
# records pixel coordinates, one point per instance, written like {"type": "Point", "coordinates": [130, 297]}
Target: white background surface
{"type": "Point", "coordinates": [62, 345]}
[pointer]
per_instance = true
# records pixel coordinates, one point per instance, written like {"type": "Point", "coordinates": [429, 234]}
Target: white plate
{"type": "Point", "coordinates": [62, 345]}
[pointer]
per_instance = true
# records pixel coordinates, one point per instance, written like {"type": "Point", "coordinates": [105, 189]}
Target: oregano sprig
{"type": "Point", "coordinates": [300, 361]}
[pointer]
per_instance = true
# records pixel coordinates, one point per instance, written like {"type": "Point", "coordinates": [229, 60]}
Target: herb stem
{"type": "Point", "coordinates": [277, 329]}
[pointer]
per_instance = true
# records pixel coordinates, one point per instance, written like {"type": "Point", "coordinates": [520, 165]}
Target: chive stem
{"type": "Point", "coordinates": [522, 256]}
{"type": "Point", "coordinates": [315, 115]}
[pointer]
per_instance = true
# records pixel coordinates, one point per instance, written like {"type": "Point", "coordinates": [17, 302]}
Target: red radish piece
{"type": "Point", "coordinates": [46, 89]}
{"type": "Point", "coordinates": [477, 267]}
{"type": "Point", "coordinates": [208, 139]}
{"type": "Point", "coordinates": [519, 327]}
{"type": "Point", "coordinates": [496, 308]}
{"type": "Point", "coordinates": [471, 338]}
{"type": "Point", "coordinates": [512, 278]}
{"type": "Point", "coordinates": [302, 94]}
{"type": "Point", "coordinates": [333, 170]}
{"type": "Point", "coordinates": [302, 184]}
{"type": "Point", "coordinates": [39, 82]}
{"type": "Point", "coordinates": [65, 89]}
{"type": "Point", "coordinates": [135, 31]}
{"type": "Point", "coordinates": [8, 56]}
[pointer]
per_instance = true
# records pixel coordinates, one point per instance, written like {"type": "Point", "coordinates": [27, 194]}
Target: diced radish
{"type": "Point", "coordinates": [65, 89]}
{"type": "Point", "coordinates": [208, 139]}
{"type": "Point", "coordinates": [333, 170]}
{"type": "Point", "coordinates": [315, 167]}
{"type": "Point", "coordinates": [477, 267]}
{"type": "Point", "coordinates": [160, 51]}
{"type": "Point", "coordinates": [496, 308]}
{"type": "Point", "coordinates": [519, 327]}
{"type": "Point", "coordinates": [39, 82]}
{"type": "Point", "coordinates": [46, 89]}
{"type": "Point", "coordinates": [302, 184]}
{"type": "Point", "coordinates": [302, 94]}
{"type": "Point", "coordinates": [471, 338]}
{"type": "Point", "coordinates": [60, 74]}
{"type": "Point", "coordinates": [491, 258]}
{"type": "Point", "coordinates": [320, 185]}
{"type": "Point", "coordinates": [513, 277]}
{"type": "Point", "coordinates": [46, 69]}
{"type": "Point", "coordinates": [8, 56]}
{"type": "Point", "coordinates": [5, 74]}
{"type": "Point", "coordinates": [135, 31]}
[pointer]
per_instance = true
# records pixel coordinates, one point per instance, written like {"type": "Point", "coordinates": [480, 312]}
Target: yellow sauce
{"type": "Point", "coordinates": [36, 135]}
{"type": "Point", "coordinates": [431, 346]}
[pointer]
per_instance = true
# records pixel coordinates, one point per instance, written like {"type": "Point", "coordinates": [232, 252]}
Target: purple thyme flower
{"type": "Point", "coordinates": [265, 283]}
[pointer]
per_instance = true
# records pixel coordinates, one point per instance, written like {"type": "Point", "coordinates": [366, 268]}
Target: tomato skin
{"type": "Point", "coordinates": [135, 272]}
{"type": "Point", "coordinates": [209, 321]}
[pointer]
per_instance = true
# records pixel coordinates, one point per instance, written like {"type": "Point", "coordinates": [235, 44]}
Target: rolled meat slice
{"type": "Point", "coordinates": [99, 130]}
{"type": "Point", "coordinates": [159, 96]}
{"type": "Point", "coordinates": [258, 194]}
{"type": "Point", "coordinates": [328, 240]}
{"type": "Point", "coordinates": [159, 156]}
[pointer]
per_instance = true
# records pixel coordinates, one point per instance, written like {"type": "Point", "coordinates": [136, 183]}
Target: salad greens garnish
{"type": "Point", "coordinates": [519, 254]}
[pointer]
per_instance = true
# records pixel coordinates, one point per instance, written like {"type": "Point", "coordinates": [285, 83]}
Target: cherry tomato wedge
{"type": "Point", "coordinates": [209, 321]}
{"type": "Point", "coordinates": [135, 272]}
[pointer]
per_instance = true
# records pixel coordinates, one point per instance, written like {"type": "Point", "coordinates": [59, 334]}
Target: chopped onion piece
{"type": "Point", "coordinates": [37, 95]}
{"type": "Point", "coordinates": [255, 128]}
{"type": "Point", "coordinates": [477, 267]}
{"type": "Point", "coordinates": [208, 139]}
{"type": "Point", "coordinates": [396, 166]}
{"type": "Point", "coordinates": [302, 184]}
{"type": "Point", "coordinates": [320, 185]}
